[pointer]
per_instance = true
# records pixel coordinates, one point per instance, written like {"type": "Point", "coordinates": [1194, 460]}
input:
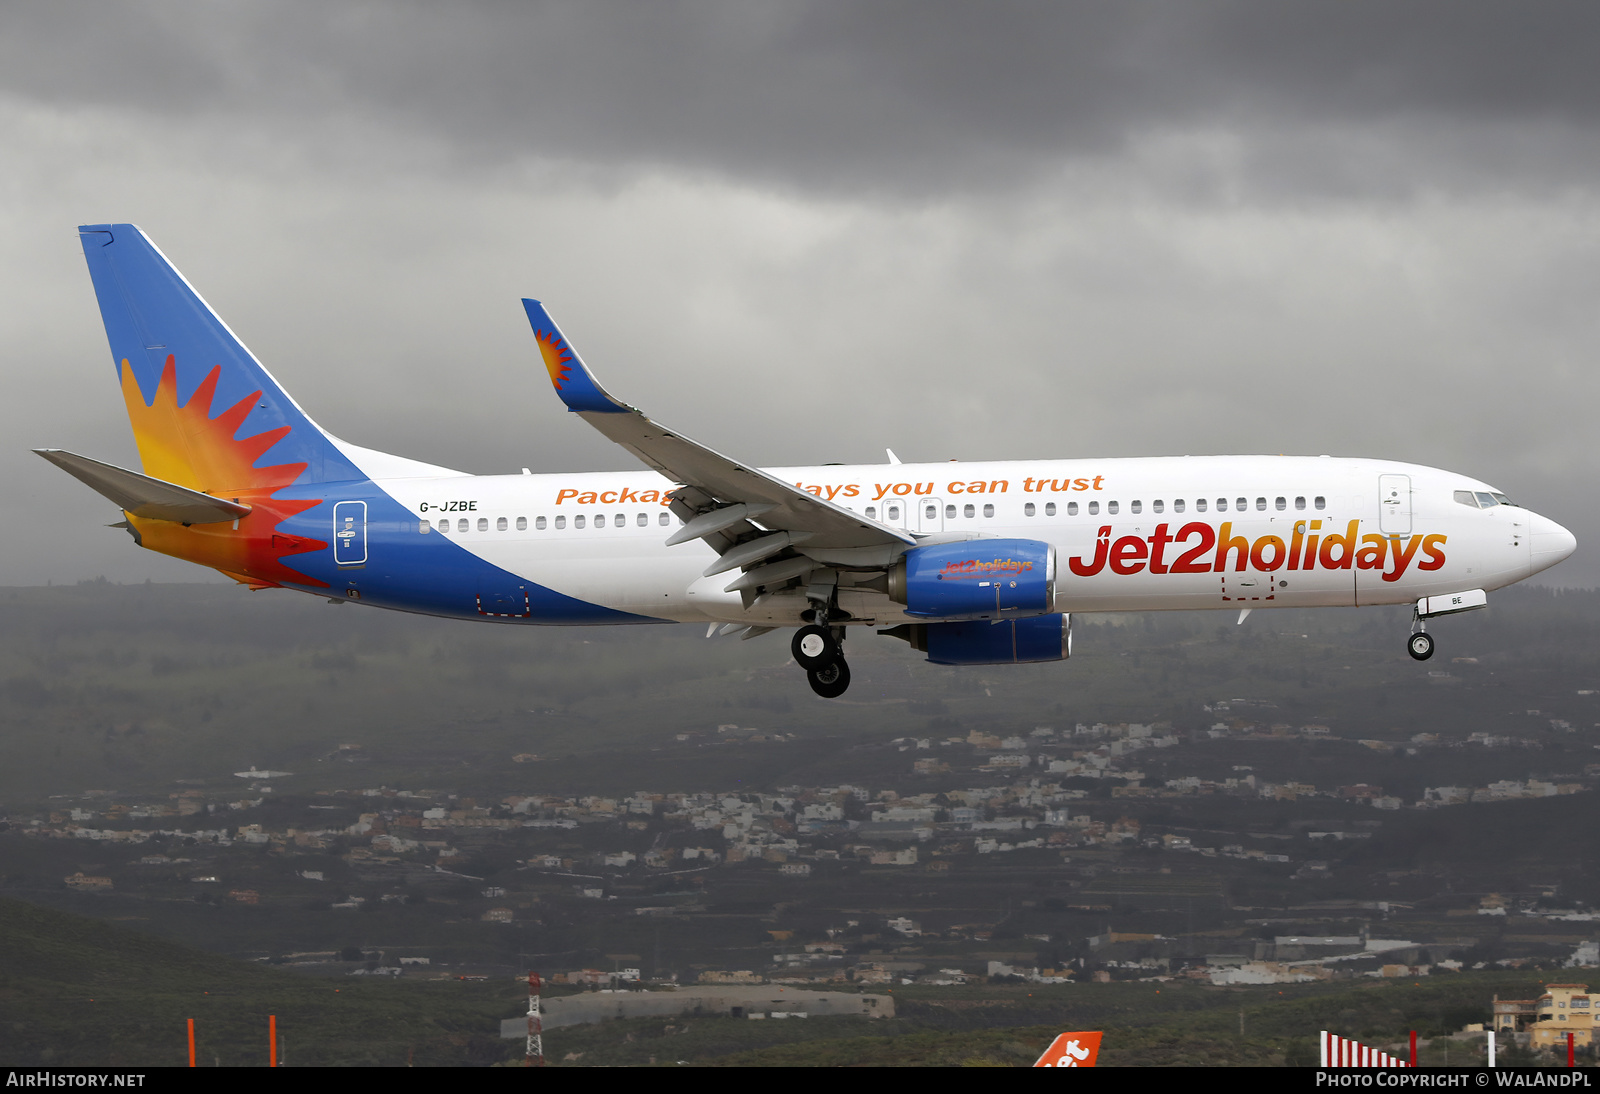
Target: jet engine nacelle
{"type": "Point", "coordinates": [976, 642]}
{"type": "Point", "coordinates": [976, 579]}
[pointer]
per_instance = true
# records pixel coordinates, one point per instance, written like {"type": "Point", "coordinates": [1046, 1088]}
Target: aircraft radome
{"type": "Point", "coordinates": [970, 563]}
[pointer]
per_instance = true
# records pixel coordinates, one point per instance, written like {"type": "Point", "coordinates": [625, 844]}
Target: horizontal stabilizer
{"type": "Point", "coordinates": [143, 496]}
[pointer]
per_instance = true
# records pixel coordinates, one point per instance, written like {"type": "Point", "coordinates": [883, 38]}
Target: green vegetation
{"type": "Point", "coordinates": [81, 992]}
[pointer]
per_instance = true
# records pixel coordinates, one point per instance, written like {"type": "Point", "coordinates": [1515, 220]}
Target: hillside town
{"type": "Point", "coordinates": [1073, 809]}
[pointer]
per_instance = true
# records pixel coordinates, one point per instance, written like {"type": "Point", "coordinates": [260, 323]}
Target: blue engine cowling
{"type": "Point", "coordinates": [976, 579]}
{"type": "Point", "coordinates": [1009, 642]}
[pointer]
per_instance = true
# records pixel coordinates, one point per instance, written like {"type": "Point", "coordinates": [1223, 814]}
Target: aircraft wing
{"type": "Point", "coordinates": [720, 497]}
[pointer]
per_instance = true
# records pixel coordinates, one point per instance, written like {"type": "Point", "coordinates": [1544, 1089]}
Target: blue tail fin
{"type": "Point", "coordinates": [205, 414]}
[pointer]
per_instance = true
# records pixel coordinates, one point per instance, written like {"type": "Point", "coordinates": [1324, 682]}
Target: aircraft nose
{"type": "Point", "coordinates": [1550, 542]}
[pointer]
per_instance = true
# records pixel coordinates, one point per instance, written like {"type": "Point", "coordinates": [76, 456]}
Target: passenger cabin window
{"type": "Point", "coordinates": [599, 520]}
{"type": "Point", "coordinates": [538, 523]}
{"type": "Point", "coordinates": [1159, 506]}
{"type": "Point", "coordinates": [579, 521]}
{"type": "Point", "coordinates": [1111, 508]}
{"type": "Point", "coordinates": [950, 511]}
{"type": "Point", "coordinates": [1300, 503]}
{"type": "Point", "coordinates": [872, 512]}
{"type": "Point", "coordinates": [969, 510]}
{"type": "Point", "coordinates": [988, 510]}
{"type": "Point", "coordinates": [664, 520]}
{"type": "Point", "coordinates": [1177, 505]}
{"type": "Point", "coordinates": [1050, 508]}
{"type": "Point", "coordinates": [1072, 508]}
{"type": "Point", "coordinates": [561, 522]}
{"type": "Point", "coordinates": [1135, 506]}
{"type": "Point", "coordinates": [644, 520]}
{"type": "Point", "coordinates": [931, 512]}
{"type": "Point", "coordinates": [1261, 505]}
{"type": "Point", "coordinates": [1222, 505]}
{"type": "Point", "coordinates": [1199, 505]}
{"type": "Point", "coordinates": [424, 526]}
{"type": "Point", "coordinates": [1320, 502]}
{"type": "Point", "coordinates": [1094, 508]}
{"type": "Point", "coordinates": [461, 525]}
{"type": "Point", "coordinates": [1241, 504]}
{"type": "Point", "coordinates": [501, 524]}
{"type": "Point", "coordinates": [1027, 510]}
{"type": "Point", "coordinates": [893, 511]}
{"type": "Point", "coordinates": [621, 520]}
{"type": "Point", "coordinates": [1280, 504]}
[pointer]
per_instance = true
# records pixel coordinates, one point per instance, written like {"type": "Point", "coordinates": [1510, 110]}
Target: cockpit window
{"type": "Point", "coordinates": [1482, 499]}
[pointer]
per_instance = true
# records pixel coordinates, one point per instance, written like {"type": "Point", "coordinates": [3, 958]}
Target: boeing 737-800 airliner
{"type": "Point", "coordinates": [971, 563]}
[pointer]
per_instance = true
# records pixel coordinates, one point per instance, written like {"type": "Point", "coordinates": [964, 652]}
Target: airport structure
{"type": "Point", "coordinates": [762, 1001]}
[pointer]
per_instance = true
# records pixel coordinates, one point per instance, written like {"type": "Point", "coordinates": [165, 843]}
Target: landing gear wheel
{"type": "Point", "coordinates": [814, 647]}
{"type": "Point", "coordinates": [1420, 645]}
{"type": "Point", "coordinates": [831, 680]}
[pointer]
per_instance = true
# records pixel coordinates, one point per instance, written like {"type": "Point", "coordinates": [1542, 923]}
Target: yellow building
{"type": "Point", "coordinates": [1563, 1009]}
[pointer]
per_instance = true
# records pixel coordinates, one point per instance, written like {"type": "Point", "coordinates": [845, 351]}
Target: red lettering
{"type": "Point", "coordinates": [1158, 544]}
{"type": "Point", "coordinates": [1127, 555]}
{"type": "Point", "coordinates": [1430, 547]}
{"type": "Point", "coordinates": [1372, 553]}
{"type": "Point", "coordinates": [1102, 545]}
{"type": "Point", "coordinates": [1187, 563]}
{"type": "Point", "coordinates": [1347, 549]}
{"type": "Point", "coordinates": [1226, 543]}
{"type": "Point", "coordinates": [1402, 556]}
{"type": "Point", "coordinates": [1258, 553]}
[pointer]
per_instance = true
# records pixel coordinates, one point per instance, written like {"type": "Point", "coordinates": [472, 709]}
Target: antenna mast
{"type": "Point", "coordinates": [535, 1057]}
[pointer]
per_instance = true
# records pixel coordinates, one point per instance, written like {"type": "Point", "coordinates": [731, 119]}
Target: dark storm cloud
{"type": "Point", "coordinates": [903, 97]}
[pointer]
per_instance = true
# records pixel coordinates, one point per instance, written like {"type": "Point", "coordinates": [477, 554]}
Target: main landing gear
{"type": "Point", "coordinates": [818, 649]}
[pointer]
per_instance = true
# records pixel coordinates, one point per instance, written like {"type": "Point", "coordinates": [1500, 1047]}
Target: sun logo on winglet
{"type": "Point", "coordinates": [557, 357]}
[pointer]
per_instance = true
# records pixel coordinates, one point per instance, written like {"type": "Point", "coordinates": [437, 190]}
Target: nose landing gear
{"type": "Point", "coordinates": [1420, 645]}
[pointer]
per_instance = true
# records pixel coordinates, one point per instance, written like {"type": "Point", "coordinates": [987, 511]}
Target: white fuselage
{"type": "Point", "coordinates": [1158, 533]}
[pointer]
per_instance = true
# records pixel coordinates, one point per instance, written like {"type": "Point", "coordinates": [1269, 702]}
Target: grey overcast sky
{"type": "Point", "coordinates": [801, 232]}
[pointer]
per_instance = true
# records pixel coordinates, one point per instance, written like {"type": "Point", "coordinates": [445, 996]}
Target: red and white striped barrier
{"type": "Point", "coordinates": [1343, 1052]}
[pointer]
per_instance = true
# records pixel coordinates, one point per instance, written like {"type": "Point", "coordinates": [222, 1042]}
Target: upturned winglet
{"type": "Point", "coordinates": [571, 378]}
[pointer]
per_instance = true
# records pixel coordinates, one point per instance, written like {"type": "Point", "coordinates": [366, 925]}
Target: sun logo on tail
{"type": "Point", "coordinates": [557, 357]}
{"type": "Point", "coordinates": [184, 444]}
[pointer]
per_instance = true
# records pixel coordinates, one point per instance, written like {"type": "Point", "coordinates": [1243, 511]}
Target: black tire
{"type": "Point", "coordinates": [1420, 646]}
{"type": "Point", "coordinates": [814, 647]}
{"type": "Point", "coordinates": [831, 680]}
